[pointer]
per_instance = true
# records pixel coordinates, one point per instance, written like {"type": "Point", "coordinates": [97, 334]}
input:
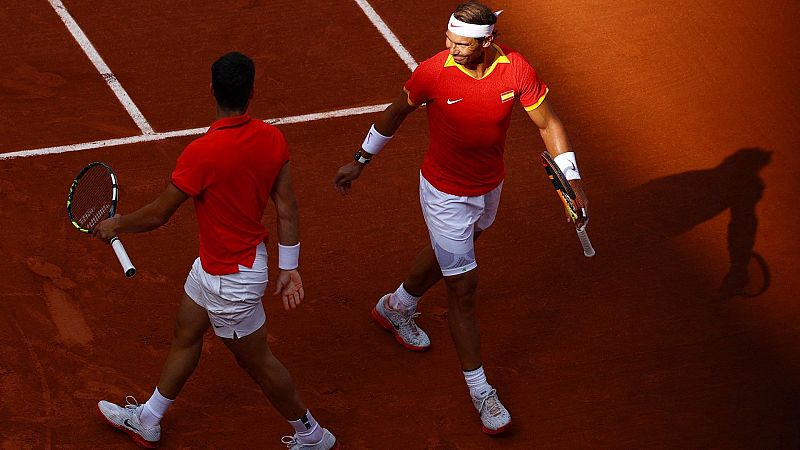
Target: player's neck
{"type": "Point", "coordinates": [224, 113]}
{"type": "Point", "coordinates": [481, 65]}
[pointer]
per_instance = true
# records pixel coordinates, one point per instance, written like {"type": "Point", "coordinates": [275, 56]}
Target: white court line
{"type": "Point", "coordinates": [150, 135]}
{"type": "Point", "coordinates": [101, 66]}
{"type": "Point", "coordinates": [187, 132]}
{"type": "Point", "coordinates": [387, 34]}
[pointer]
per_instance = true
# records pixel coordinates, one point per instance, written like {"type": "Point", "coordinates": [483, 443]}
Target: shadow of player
{"type": "Point", "coordinates": [669, 206]}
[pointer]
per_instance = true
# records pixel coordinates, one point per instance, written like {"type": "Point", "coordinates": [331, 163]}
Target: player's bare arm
{"type": "Point", "coordinates": [387, 124]}
{"type": "Point", "coordinates": [556, 141]}
{"type": "Point", "coordinates": [289, 284]}
{"type": "Point", "coordinates": [146, 218]}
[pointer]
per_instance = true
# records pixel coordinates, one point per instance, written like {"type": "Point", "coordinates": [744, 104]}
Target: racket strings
{"type": "Point", "coordinates": [92, 197]}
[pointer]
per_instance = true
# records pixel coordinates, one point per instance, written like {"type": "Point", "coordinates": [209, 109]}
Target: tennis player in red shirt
{"type": "Point", "coordinates": [469, 90]}
{"type": "Point", "coordinates": [231, 173]}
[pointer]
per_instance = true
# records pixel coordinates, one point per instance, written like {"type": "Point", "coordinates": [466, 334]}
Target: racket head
{"type": "Point", "coordinates": [92, 196]}
{"type": "Point", "coordinates": [561, 185]}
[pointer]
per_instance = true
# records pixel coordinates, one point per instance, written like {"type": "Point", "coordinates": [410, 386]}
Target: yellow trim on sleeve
{"type": "Point", "coordinates": [538, 102]}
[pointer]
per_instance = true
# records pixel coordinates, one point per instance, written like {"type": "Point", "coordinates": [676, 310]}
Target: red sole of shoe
{"type": "Point", "coordinates": [136, 438]}
{"type": "Point", "coordinates": [388, 327]}
{"type": "Point", "coordinates": [500, 430]}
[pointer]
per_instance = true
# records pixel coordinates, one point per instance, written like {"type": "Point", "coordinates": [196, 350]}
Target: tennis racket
{"type": "Point", "coordinates": [92, 199]}
{"type": "Point", "coordinates": [567, 196]}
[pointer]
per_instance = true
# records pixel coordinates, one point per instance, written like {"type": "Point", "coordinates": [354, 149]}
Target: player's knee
{"type": "Point", "coordinates": [461, 289]}
{"type": "Point", "coordinates": [185, 336]}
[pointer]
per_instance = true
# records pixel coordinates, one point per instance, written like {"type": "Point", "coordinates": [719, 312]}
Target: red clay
{"type": "Point", "coordinates": [633, 348]}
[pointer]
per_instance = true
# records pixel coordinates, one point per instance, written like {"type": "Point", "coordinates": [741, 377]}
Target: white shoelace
{"type": "Point", "coordinates": [131, 402]}
{"type": "Point", "coordinates": [492, 403]}
{"type": "Point", "coordinates": [410, 322]}
{"type": "Point", "coordinates": [292, 440]}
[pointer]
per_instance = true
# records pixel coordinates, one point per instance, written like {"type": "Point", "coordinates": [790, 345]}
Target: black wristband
{"type": "Point", "coordinates": [361, 159]}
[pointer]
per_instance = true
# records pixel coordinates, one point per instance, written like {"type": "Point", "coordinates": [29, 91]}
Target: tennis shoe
{"type": "Point", "coordinates": [126, 418]}
{"type": "Point", "coordinates": [328, 442]}
{"type": "Point", "coordinates": [494, 416]}
{"type": "Point", "coordinates": [402, 324]}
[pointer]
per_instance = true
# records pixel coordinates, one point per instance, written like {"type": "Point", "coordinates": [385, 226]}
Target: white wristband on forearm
{"type": "Point", "coordinates": [374, 141]}
{"type": "Point", "coordinates": [288, 256]}
{"type": "Point", "coordinates": [569, 167]}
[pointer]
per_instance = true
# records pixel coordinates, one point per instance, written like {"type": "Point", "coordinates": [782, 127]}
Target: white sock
{"type": "Point", "coordinates": [154, 409]}
{"type": "Point", "coordinates": [308, 430]}
{"type": "Point", "coordinates": [401, 299]}
{"type": "Point", "coordinates": [476, 382]}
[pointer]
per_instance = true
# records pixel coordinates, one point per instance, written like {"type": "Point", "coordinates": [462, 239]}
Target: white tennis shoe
{"type": "Point", "coordinates": [127, 419]}
{"type": "Point", "coordinates": [494, 416]}
{"type": "Point", "coordinates": [401, 323]}
{"type": "Point", "coordinates": [328, 442]}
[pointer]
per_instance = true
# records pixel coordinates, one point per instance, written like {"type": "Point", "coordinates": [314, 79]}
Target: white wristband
{"type": "Point", "coordinates": [569, 167]}
{"type": "Point", "coordinates": [374, 141]}
{"type": "Point", "coordinates": [288, 256]}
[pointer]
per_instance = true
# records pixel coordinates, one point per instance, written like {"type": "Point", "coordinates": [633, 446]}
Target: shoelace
{"type": "Point", "coordinates": [410, 322]}
{"type": "Point", "coordinates": [131, 402]}
{"type": "Point", "coordinates": [294, 440]}
{"type": "Point", "coordinates": [492, 403]}
{"type": "Point", "coordinates": [289, 440]}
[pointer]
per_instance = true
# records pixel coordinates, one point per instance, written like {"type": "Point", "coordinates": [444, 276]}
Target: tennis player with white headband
{"type": "Point", "coordinates": [469, 90]}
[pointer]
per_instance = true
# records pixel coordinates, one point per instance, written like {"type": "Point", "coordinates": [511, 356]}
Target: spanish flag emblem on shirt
{"type": "Point", "coordinates": [506, 96]}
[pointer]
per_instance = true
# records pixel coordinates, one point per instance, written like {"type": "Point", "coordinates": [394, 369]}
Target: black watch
{"type": "Point", "coordinates": [361, 158]}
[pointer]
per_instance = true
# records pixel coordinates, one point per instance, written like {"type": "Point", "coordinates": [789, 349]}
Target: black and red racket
{"type": "Point", "coordinates": [567, 196]}
{"type": "Point", "coordinates": [93, 198]}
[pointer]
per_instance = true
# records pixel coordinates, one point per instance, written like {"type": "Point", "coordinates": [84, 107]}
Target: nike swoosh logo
{"type": "Point", "coordinates": [454, 25]}
{"type": "Point", "coordinates": [450, 102]}
{"type": "Point", "coordinates": [217, 326]}
{"type": "Point", "coordinates": [127, 423]}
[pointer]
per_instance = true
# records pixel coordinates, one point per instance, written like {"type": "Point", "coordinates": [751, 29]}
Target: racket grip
{"type": "Point", "coordinates": [588, 250]}
{"type": "Point", "coordinates": [122, 256]}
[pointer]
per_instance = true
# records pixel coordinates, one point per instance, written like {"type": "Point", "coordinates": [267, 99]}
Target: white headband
{"type": "Point", "coordinates": [470, 30]}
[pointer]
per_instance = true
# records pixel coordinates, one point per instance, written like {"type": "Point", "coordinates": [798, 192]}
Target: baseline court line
{"type": "Point", "coordinates": [387, 34]}
{"type": "Point", "coordinates": [101, 66]}
{"type": "Point", "coordinates": [187, 132]}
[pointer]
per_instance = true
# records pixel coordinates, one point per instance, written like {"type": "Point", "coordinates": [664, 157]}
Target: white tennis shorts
{"type": "Point", "coordinates": [233, 302]}
{"type": "Point", "coordinates": [452, 221]}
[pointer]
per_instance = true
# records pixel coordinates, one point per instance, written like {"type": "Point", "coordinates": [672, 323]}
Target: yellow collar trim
{"type": "Point", "coordinates": [502, 59]}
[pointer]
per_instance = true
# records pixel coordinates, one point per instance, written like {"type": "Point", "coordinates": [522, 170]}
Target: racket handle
{"type": "Point", "coordinates": [588, 250]}
{"type": "Point", "coordinates": [122, 256]}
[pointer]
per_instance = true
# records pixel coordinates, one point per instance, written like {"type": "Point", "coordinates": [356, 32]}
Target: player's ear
{"type": "Point", "coordinates": [487, 41]}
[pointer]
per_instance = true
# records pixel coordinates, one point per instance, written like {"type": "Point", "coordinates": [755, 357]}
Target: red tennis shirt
{"type": "Point", "coordinates": [230, 172]}
{"type": "Point", "coordinates": [468, 117]}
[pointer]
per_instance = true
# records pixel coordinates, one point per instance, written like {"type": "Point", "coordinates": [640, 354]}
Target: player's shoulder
{"type": "Point", "coordinates": [515, 57]}
{"type": "Point", "coordinates": [266, 130]}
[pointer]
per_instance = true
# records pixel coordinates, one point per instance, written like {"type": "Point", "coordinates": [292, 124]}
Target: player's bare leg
{"type": "Point", "coordinates": [141, 422]}
{"type": "Point", "coordinates": [463, 321]}
{"type": "Point", "coordinates": [254, 356]}
{"type": "Point", "coordinates": [191, 324]}
{"type": "Point", "coordinates": [396, 312]}
{"type": "Point", "coordinates": [462, 318]}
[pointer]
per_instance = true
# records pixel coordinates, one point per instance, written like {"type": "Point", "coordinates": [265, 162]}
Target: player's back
{"type": "Point", "coordinates": [230, 172]}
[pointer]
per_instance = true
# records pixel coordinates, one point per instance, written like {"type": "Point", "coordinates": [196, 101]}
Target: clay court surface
{"type": "Point", "coordinates": [631, 349]}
